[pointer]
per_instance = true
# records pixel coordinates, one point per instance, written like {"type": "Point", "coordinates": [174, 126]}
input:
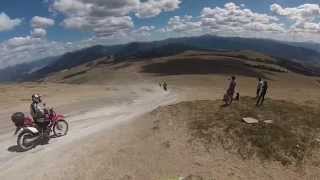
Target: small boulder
{"type": "Point", "coordinates": [250, 120]}
{"type": "Point", "coordinates": [268, 121]}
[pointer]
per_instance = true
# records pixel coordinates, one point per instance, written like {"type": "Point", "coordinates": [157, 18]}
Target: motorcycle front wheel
{"type": "Point", "coordinates": [60, 128]}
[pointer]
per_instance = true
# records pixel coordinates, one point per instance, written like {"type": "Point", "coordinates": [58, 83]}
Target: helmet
{"type": "Point", "coordinates": [36, 98]}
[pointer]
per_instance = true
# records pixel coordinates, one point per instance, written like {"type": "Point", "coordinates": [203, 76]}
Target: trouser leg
{"type": "Point", "coordinates": [258, 101]}
{"type": "Point", "coordinates": [263, 96]}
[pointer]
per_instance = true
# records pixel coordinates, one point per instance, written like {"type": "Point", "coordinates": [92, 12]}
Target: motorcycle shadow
{"type": "Point", "coordinates": [42, 142]}
{"type": "Point", "coordinates": [15, 148]}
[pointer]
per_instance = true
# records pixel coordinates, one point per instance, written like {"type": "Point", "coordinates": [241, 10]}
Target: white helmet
{"type": "Point", "coordinates": [36, 98]}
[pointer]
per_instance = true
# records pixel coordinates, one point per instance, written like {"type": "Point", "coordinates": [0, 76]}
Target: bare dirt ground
{"type": "Point", "coordinates": [87, 116]}
{"type": "Point", "coordinates": [114, 136]}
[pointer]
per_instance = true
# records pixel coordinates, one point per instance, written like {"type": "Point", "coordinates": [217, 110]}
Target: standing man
{"type": "Point", "coordinates": [259, 87]}
{"type": "Point", "coordinates": [263, 93]}
{"type": "Point", "coordinates": [165, 85]}
{"type": "Point", "coordinates": [231, 90]}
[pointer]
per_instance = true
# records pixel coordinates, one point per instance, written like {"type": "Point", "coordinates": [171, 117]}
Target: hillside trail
{"type": "Point", "coordinates": [23, 165]}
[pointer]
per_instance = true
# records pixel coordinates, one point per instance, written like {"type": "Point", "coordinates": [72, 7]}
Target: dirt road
{"type": "Point", "coordinates": [39, 162]}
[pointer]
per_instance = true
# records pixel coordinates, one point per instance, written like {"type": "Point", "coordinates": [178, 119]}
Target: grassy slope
{"type": "Point", "coordinates": [292, 138]}
{"type": "Point", "coordinates": [102, 70]}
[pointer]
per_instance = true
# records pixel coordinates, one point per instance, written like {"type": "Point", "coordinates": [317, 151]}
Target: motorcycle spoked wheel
{"type": "Point", "coordinates": [60, 128]}
{"type": "Point", "coordinates": [26, 140]}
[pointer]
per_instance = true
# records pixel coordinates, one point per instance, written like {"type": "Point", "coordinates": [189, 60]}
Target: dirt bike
{"type": "Point", "coordinates": [30, 134]}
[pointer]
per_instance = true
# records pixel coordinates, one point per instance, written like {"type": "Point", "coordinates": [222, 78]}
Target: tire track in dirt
{"type": "Point", "coordinates": [81, 126]}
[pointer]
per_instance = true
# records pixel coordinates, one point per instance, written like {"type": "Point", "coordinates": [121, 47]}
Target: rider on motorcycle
{"type": "Point", "coordinates": [39, 113]}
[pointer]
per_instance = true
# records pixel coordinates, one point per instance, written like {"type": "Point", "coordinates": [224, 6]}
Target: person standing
{"type": "Point", "coordinates": [259, 87]}
{"type": "Point", "coordinates": [165, 86]}
{"type": "Point", "coordinates": [263, 93]}
{"type": "Point", "coordinates": [231, 90]}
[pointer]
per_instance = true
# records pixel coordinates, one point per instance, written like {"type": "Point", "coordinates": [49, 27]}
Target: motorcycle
{"type": "Point", "coordinates": [30, 134]}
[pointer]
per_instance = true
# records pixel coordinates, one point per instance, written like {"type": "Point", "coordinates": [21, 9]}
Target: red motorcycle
{"type": "Point", "coordinates": [29, 133]}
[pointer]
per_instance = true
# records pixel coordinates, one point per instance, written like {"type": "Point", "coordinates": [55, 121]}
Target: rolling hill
{"type": "Point", "coordinates": [299, 59]}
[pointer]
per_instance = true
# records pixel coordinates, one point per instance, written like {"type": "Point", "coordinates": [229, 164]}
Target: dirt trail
{"type": "Point", "coordinates": [81, 126]}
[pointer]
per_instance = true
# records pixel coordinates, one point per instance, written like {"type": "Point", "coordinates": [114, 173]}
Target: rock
{"type": "Point", "coordinates": [250, 120]}
{"type": "Point", "coordinates": [268, 121]}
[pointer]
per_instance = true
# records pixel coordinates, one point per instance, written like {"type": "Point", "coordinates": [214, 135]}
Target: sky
{"type": "Point", "coordinates": [34, 29]}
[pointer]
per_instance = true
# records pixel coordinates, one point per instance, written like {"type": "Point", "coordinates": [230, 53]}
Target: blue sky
{"type": "Point", "coordinates": [38, 28]}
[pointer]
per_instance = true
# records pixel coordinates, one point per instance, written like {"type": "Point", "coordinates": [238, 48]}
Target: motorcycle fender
{"type": "Point", "coordinates": [60, 117]}
{"type": "Point", "coordinates": [33, 130]}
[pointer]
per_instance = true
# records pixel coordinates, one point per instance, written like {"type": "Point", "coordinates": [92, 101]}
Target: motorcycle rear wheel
{"type": "Point", "coordinates": [23, 139]}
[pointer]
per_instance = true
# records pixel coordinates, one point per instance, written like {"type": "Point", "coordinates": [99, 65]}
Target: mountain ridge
{"type": "Point", "coordinates": [300, 56]}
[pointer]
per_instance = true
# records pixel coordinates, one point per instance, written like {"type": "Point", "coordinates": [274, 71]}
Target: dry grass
{"type": "Point", "coordinates": [291, 139]}
{"type": "Point", "coordinates": [75, 74]}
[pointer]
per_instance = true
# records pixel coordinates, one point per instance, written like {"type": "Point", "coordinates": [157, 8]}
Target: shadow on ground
{"type": "Point", "coordinates": [14, 148]}
{"type": "Point", "coordinates": [202, 66]}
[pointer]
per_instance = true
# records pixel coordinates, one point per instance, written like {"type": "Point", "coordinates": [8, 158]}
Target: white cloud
{"type": "Point", "coordinates": [305, 12]}
{"type": "Point", "coordinates": [72, 7]}
{"type": "Point", "coordinates": [78, 23]}
{"type": "Point", "coordinates": [38, 33]}
{"type": "Point", "coordinates": [6, 23]}
{"type": "Point", "coordinates": [232, 19]}
{"type": "Point", "coordinates": [235, 18]}
{"type": "Point", "coordinates": [153, 8]}
{"type": "Point", "coordinates": [28, 48]}
{"type": "Point", "coordinates": [185, 24]}
{"type": "Point", "coordinates": [106, 26]}
{"type": "Point", "coordinates": [18, 50]}
{"type": "Point", "coordinates": [109, 17]}
{"type": "Point", "coordinates": [41, 22]}
{"type": "Point", "coordinates": [20, 41]}
{"type": "Point", "coordinates": [144, 31]}
{"type": "Point", "coordinates": [305, 17]}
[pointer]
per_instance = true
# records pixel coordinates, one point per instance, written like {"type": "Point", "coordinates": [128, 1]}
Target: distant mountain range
{"type": "Point", "coordinates": [21, 71]}
{"type": "Point", "coordinates": [300, 54]}
{"type": "Point", "coordinates": [308, 45]}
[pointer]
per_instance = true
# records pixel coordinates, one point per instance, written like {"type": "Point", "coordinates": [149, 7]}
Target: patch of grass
{"type": "Point", "coordinates": [265, 67]}
{"type": "Point", "coordinates": [290, 139]}
{"type": "Point", "coordinates": [75, 74]}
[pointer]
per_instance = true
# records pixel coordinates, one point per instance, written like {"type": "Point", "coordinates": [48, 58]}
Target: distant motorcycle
{"type": "Point", "coordinates": [29, 134]}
